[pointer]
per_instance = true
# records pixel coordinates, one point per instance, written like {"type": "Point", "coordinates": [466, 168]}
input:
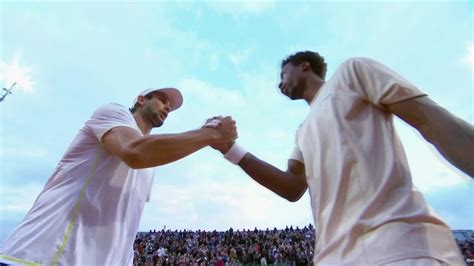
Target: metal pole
{"type": "Point", "coordinates": [7, 91]}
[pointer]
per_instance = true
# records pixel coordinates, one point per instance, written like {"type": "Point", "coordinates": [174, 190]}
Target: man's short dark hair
{"type": "Point", "coordinates": [315, 60]}
{"type": "Point", "coordinates": [135, 106]}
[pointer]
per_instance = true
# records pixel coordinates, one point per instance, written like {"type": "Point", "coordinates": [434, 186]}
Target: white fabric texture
{"type": "Point", "coordinates": [364, 205]}
{"type": "Point", "coordinates": [417, 262]}
{"type": "Point", "coordinates": [89, 211]}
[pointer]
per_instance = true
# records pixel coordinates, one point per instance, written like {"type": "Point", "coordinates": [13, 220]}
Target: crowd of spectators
{"type": "Point", "coordinates": [290, 246]}
{"type": "Point", "coordinates": [467, 250]}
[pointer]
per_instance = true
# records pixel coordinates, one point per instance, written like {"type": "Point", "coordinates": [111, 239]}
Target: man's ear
{"type": "Point", "coordinates": [305, 66]}
{"type": "Point", "coordinates": [141, 100]}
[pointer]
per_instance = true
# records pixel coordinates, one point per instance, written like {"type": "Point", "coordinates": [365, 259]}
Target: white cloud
{"type": "Point", "coordinates": [206, 94]}
{"type": "Point", "coordinates": [240, 56]}
{"type": "Point", "coordinates": [227, 204]}
{"type": "Point", "coordinates": [17, 153]}
{"type": "Point", "coordinates": [201, 101]}
{"type": "Point", "coordinates": [15, 148]}
{"type": "Point", "coordinates": [18, 199]}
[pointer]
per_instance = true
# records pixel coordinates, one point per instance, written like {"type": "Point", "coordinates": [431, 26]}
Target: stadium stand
{"type": "Point", "coordinates": [289, 246]}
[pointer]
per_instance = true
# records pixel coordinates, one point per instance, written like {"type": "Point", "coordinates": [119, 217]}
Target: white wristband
{"type": "Point", "coordinates": [235, 153]}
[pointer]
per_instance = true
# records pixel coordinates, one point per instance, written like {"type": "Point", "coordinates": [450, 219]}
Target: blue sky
{"type": "Point", "coordinates": [225, 57]}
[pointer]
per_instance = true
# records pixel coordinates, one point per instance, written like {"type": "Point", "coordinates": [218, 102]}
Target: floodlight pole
{"type": "Point", "coordinates": [7, 91]}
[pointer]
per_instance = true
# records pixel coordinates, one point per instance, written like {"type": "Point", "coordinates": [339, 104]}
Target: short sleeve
{"type": "Point", "coordinates": [296, 153]}
{"type": "Point", "coordinates": [109, 116]}
{"type": "Point", "coordinates": [377, 83]}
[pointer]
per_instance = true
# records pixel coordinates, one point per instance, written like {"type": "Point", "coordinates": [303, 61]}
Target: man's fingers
{"type": "Point", "coordinates": [227, 118]}
{"type": "Point", "coordinates": [213, 122]}
{"type": "Point", "coordinates": [228, 121]}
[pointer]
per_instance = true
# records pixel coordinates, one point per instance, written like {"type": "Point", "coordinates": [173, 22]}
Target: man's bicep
{"type": "Point", "coordinates": [418, 112]}
{"type": "Point", "coordinates": [296, 168]}
{"type": "Point", "coordinates": [297, 171]}
{"type": "Point", "coordinates": [117, 140]}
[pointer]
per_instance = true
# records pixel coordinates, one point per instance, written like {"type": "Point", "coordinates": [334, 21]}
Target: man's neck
{"type": "Point", "coordinates": [312, 89]}
{"type": "Point", "coordinates": [142, 125]}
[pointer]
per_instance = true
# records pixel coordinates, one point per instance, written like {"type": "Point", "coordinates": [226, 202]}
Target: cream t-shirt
{"type": "Point", "coordinates": [89, 211]}
{"type": "Point", "coordinates": [364, 205]}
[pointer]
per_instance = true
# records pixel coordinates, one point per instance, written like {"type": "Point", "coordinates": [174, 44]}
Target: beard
{"type": "Point", "coordinates": [296, 93]}
{"type": "Point", "coordinates": [158, 123]}
{"type": "Point", "coordinates": [157, 120]}
{"type": "Point", "coordinates": [153, 117]}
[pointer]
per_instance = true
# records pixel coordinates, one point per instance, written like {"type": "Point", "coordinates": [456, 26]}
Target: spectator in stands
{"type": "Point", "coordinates": [467, 251]}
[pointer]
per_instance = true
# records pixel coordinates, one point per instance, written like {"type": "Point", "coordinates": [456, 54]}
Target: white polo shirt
{"type": "Point", "coordinates": [364, 204]}
{"type": "Point", "coordinates": [89, 211]}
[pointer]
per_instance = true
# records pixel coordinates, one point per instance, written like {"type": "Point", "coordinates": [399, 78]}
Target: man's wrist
{"type": "Point", "coordinates": [225, 148]}
{"type": "Point", "coordinates": [235, 153]}
{"type": "Point", "coordinates": [211, 133]}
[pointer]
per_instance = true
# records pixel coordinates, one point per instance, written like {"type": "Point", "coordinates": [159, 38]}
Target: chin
{"type": "Point", "coordinates": [159, 123]}
{"type": "Point", "coordinates": [295, 96]}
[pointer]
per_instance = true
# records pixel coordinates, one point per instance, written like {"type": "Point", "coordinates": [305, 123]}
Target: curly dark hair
{"type": "Point", "coordinates": [315, 60]}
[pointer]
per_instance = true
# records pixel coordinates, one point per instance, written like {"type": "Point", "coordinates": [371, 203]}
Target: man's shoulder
{"type": "Point", "coordinates": [355, 61]}
{"type": "Point", "coordinates": [355, 66]}
{"type": "Point", "coordinates": [111, 112]}
{"type": "Point", "coordinates": [111, 108]}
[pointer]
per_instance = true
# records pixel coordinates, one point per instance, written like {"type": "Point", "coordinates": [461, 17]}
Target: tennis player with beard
{"type": "Point", "coordinates": [89, 211]}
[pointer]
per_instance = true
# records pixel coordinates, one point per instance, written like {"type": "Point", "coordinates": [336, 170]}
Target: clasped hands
{"type": "Point", "coordinates": [227, 130]}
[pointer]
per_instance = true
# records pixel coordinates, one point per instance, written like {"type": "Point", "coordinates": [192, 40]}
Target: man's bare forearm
{"type": "Point", "coordinates": [154, 150]}
{"type": "Point", "coordinates": [454, 139]}
{"type": "Point", "coordinates": [452, 136]}
{"type": "Point", "coordinates": [290, 186]}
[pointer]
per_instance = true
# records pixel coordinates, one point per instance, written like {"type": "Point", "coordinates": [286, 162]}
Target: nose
{"type": "Point", "coordinates": [168, 107]}
{"type": "Point", "coordinates": [280, 85]}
